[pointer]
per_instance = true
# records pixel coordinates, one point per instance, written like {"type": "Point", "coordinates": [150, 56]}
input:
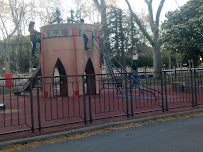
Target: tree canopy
{"type": "Point", "coordinates": [182, 32]}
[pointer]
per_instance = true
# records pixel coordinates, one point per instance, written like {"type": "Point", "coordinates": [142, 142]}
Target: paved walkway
{"type": "Point", "coordinates": [179, 135]}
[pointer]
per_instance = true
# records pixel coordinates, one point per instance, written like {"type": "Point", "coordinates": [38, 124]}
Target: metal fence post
{"type": "Point", "coordinates": [38, 105]}
{"type": "Point", "coordinates": [126, 90]}
{"type": "Point", "coordinates": [166, 98]}
{"type": "Point", "coordinates": [195, 83]}
{"type": "Point", "coordinates": [84, 100]}
{"type": "Point", "coordinates": [191, 79]}
{"type": "Point", "coordinates": [90, 105]}
{"type": "Point", "coordinates": [162, 91]}
{"type": "Point", "coordinates": [31, 104]}
{"type": "Point", "coordinates": [131, 97]}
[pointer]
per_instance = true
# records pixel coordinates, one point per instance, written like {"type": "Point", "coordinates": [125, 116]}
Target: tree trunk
{"type": "Point", "coordinates": [7, 66]}
{"type": "Point", "coordinates": [101, 7]}
{"type": "Point", "coordinates": [157, 59]}
{"type": "Point", "coordinates": [17, 67]}
{"type": "Point", "coordinates": [169, 62]}
{"type": "Point", "coordinates": [7, 59]}
{"type": "Point", "coordinates": [122, 38]}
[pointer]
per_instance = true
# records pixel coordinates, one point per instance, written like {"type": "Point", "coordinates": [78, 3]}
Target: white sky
{"type": "Point", "coordinates": [139, 5]}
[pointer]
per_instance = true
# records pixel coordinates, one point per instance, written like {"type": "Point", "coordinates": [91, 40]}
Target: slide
{"type": "Point", "coordinates": [26, 87]}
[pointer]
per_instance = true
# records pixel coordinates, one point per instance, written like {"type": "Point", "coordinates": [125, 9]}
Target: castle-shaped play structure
{"type": "Point", "coordinates": [63, 46]}
{"type": "Point", "coordinates": [75, 50]}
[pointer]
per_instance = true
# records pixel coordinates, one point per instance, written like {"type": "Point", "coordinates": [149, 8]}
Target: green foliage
{"type": "Point", "coordinates": [127, 60]}
{"type": "Point", "coordinates": [114, 61]}
{"type": "Point", "coordinates": [19, 51]}
{"type": "Point", "coordinates": [57, 16]}
{"type": "Point", "coordinates": [144, 61]}
{"type": "Point", "coordinates": [74, 17]}
{"type": "Point", "coordinates": [117, 39]}
{"type": "Point", "coordinates": [123, 35]}
{"type": "Point", "coordinates": [182, 31]}
{"type": "Point", "coordinates": [166, 62]}
{"type": "Point", "coordinates": [78, 15]}
{"type": "Point", "coordinates": [71, 19]}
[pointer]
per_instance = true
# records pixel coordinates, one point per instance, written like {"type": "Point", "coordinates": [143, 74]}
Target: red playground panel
{"type": "Point", "coordinates": [9, 82]}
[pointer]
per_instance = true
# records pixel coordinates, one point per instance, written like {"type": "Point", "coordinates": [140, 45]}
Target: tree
{"type": "Point", "coordinates": [18, 52]}
{"type": "Point", "coordinates": [154, 24]}
{"type": "Point", "coordinates": [102, 9]}
{"type": "Point", "coordinates": [182, 31]}
{"type": "Point", "coordinates": [15, 16]}
{"type": "Point", "coordinates": [117, 33]}
{"type": "Point", "coordinates": [56, 17]}
{"type": "Point", "coordinates": [44, 9]}
{"type": "Point", "coordinates": [125, 37]}
{"type": "Point", "coordinates": [84, 9]}
{"type": "Point", "coordinates": [11, 13]}
{"type": "Point", "coordinates": [71, 19]}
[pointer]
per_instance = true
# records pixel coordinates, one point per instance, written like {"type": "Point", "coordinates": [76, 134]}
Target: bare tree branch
{"type": "Point", "coordinates": [139, 23]}
{"type": "Point", "coordinates": [159, 12]}
{"type": "Point", "coordinates": [151, 16]}
{"type": "Point", "coordinates": [13, 12]}
{"type": "Point", "coordinates": [4, 26]}
{"type": "Point", "coordinates": [17, 18]}
{"type": "Point", "coordinates": [103, 3]}
{"type": "Point", "coordinates": [177, 4]}
{"type": "Point", "coordinates": [98, 6]}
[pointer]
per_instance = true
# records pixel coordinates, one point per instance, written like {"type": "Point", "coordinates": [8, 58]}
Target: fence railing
{"type": "Point", "coordinates": [64, 101]}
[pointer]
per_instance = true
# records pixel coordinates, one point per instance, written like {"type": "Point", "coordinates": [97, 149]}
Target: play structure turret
{"type": "Point", "coordinates": [64, 47]}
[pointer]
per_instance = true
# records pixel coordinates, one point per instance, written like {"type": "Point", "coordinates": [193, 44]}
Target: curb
{"type": "Point", "coordinates": [92, 128]}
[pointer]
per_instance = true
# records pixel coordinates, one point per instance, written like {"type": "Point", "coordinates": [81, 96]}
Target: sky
{"type": "Point", "coordinates": [139, 5]}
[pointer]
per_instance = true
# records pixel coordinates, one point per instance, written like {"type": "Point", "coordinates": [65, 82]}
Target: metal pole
{"type": "Point", "coordinates": [38, 105]}
{"type": "Point", "coordinates": [31, 103]}
{"type": "Point", "coordinates": [84, 99]}
{"type": "Point", "coordinates": [165, 82]}
{"type": "Point", "coordinates": [126, 89]}
{"type": "Point", "coordinates": [162, 91]}
{"type": "Point", "coordinates": [75, 34]}
{"type": "Point", "coordinates": [195, 83]}
{"type": "Point", "coordinates": [131, 97]}
{"type": "Point", "coordinates": [90, 105]}
{"type": "Point", "coordinates": [191, 79]}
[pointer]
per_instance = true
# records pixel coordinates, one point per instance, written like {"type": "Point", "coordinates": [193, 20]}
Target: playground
{"type": "Point", "coordinates": [81, 93]}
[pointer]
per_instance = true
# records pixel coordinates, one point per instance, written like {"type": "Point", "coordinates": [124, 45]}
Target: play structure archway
{"type": "Point", "coordinates": [90, 78]}
{"type": "Point", "coordinates": [60, 81]}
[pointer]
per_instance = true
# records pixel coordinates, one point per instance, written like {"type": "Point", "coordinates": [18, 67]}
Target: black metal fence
{"type": "Point", "coordinates": [64, 101]}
